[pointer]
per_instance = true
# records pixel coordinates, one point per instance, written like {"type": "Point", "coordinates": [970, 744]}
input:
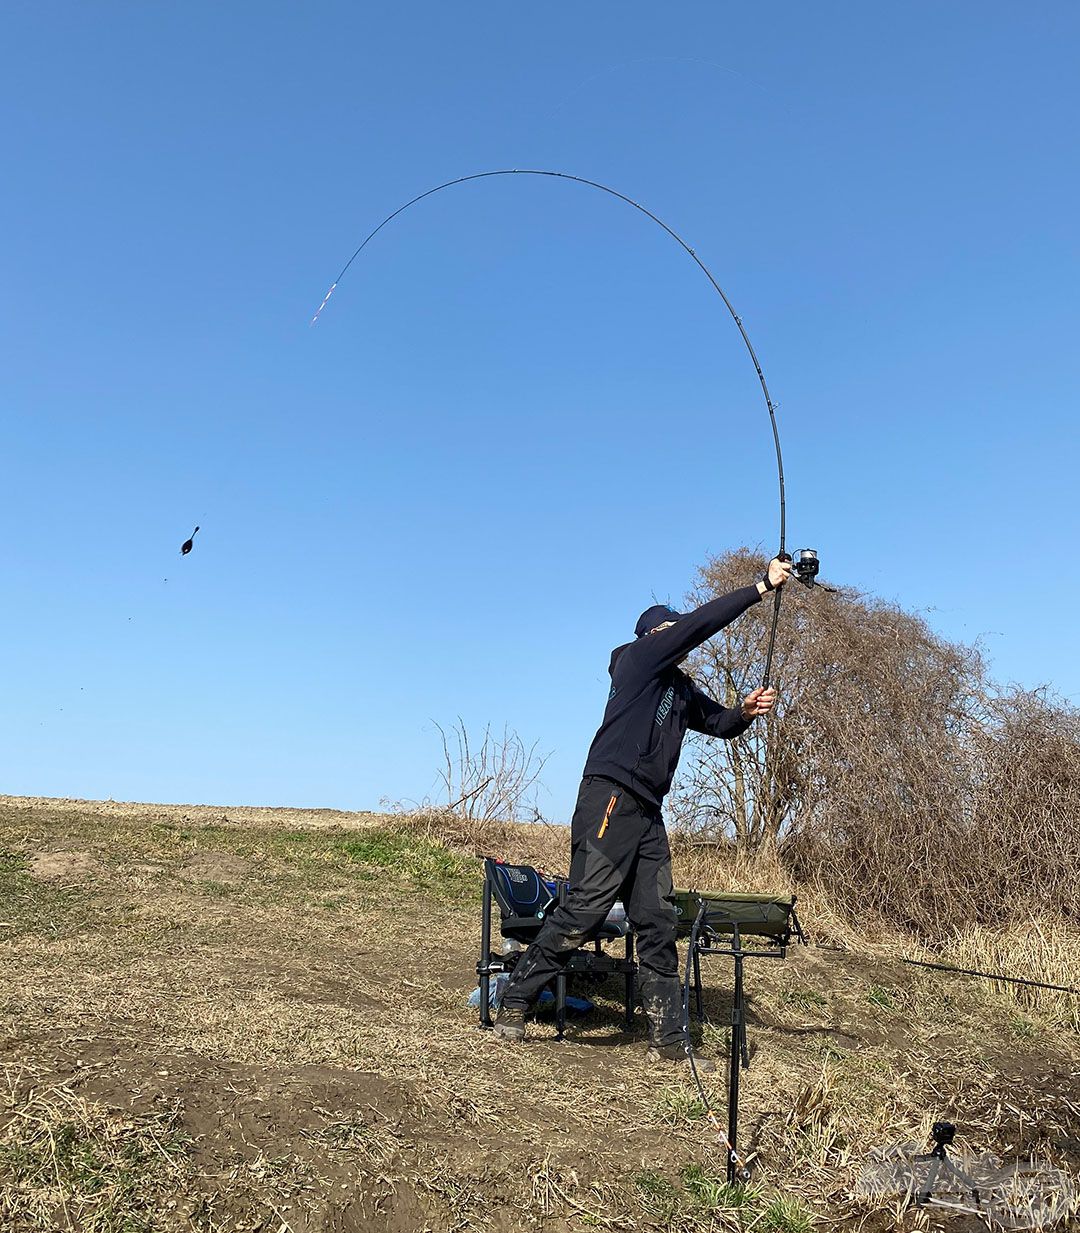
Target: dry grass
{"type": "Point", "coordinates": [279, 1007]}
{"type": "Point", "coordinates": [69, 1162]}
{"type": "Point", "coordinates": [1043, 949]}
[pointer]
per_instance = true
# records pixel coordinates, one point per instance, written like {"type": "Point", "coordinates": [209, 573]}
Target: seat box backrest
{"type": "Point", "coordinates": [519, 890]}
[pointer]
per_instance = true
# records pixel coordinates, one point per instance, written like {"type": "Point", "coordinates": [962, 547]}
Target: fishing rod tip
{"type": "Point", "coordinates": [325, 301]}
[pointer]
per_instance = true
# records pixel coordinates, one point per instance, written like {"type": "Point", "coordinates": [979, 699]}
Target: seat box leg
{"type": "Point", "coordinates": [631, 980]}
{"type": "Point", "coordinates": [485, 957]}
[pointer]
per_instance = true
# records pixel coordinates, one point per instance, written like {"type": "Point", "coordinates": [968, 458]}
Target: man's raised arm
{"type": "Point", "coordinates": [666, 647]}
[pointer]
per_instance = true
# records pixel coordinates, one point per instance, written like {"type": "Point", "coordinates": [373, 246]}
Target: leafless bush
{"type": "Point", "coordinates": [892, 773]}
{"type": "Point", "coordinates": [1026, 813]}
{"type": "Point", "coordinates": [493, 781]}
{"type": "Point", "coordinates": [488, 799]}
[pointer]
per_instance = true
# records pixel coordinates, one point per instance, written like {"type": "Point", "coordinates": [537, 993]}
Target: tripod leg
{"type": "Point", "coordinates": [924, 1196]}
{"type": "Point", "coordinates": [972, 1186]}
{"type": "Point", "coordinates": [733, 1065]}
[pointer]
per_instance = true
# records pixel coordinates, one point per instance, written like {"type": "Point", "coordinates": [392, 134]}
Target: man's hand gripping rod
{"type": "Point", "coordinates": [806, 567]}
{"type": "Point", "coordinates": [777, 595]}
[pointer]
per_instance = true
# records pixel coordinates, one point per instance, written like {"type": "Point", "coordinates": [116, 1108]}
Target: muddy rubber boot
{"type": "Point", "coordinates": [661, 999]}
{"type": "Point", "coordinates": [510, 1023]}
{"type": "Point", "coordinates": [677, 1053]}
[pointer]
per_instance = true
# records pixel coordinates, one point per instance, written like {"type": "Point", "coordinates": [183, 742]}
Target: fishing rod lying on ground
{"type": "Point", "coordinates": [1012, 980]}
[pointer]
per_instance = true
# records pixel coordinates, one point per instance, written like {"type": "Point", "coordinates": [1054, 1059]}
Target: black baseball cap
{"type": "Point", "coordinates": [654, 616]}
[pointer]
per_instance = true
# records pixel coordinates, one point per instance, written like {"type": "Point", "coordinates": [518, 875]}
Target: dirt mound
{"type": "Point", "coordinates": [222, 867]}
{"type": "Point", "coordinates": [306, 1143]}
{"type": "Point", "coordinates": [63, 866]}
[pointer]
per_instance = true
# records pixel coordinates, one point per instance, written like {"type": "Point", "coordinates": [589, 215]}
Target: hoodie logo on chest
{"type": "Point", "coordinates": [666, 702]}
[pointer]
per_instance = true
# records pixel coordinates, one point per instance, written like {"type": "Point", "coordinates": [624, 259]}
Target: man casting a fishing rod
{"type": "Point", "coordinates": [619, 847]}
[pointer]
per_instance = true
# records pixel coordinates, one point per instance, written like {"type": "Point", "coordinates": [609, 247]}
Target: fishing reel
{"type": "Point", "coordinates": [806, 566]}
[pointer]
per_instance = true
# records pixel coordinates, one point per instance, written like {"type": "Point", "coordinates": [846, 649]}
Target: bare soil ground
{"type": "Point", "coordinates": [223, 1019]}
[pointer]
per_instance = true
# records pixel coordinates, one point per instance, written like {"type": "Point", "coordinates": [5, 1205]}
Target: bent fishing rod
{"type": "Point", "coordinates": [805, 566]}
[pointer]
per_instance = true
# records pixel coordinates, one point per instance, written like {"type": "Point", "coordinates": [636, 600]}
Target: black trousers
{"type": "Point", "coordinates": [619, 850]}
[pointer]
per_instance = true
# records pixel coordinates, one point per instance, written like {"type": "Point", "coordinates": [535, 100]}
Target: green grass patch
{"type": "Point", "coordinates": [830, 1052]}
{"type": "Point", "coordinates": [882, 998]}
{"type": "Point", "coordinates": [715, 1038]}
{"type": "Point", "coordinates": [804, 999]}
{"type": "Point", "coordinates": [387, 857]}
{"type": "Point", "coordinates": [217, 890]}
{"type": "Point", "coordinates": [698, 1194]}
{"type": "Point", "coordinates": [390, 856]}
{"type": "Point", "coordinates": [28, 906]}
{"type": "Point", "coordinates": [108, 1168]}
{"type": "Point", "coordinates": [659, 1198]}
{"type": "Point", "coordinates": [714, 1193]}
{"type": "Point", "coordinates": [787, 1216]}
{"type": "Point", "coordinates": [12, 865]}
{"type": "Point", "coordinates": [1024, 1028]}
{"type": "Point", "coordinates": [653, 1184]}
{"type": "Point", "coordinates": [677, 1107]}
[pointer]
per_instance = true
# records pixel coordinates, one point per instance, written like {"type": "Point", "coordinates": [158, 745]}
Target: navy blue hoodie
{"type": "Point", "coordinates": [652, 703]}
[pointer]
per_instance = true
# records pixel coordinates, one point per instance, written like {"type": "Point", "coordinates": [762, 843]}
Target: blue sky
{"type": "Point", "coordinates": [523, 413]}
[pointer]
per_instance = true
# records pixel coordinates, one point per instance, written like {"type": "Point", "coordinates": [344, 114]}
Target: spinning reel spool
{"type": "Point", "coordinates": [807, 565]}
